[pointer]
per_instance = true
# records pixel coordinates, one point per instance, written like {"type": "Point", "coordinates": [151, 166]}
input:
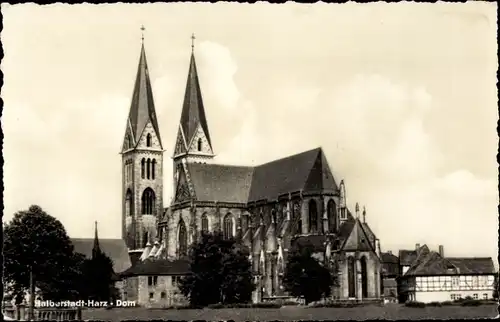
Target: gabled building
{"type": "Point", "coordinates": [268, 207]}
{"type": "Point", "coordinates": [432, 277]}
{"type": "Point", "coordinates": [390, 273]}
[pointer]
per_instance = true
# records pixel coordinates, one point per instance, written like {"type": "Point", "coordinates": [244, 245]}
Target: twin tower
{"type": "Point", "coordinates": [142, 153]}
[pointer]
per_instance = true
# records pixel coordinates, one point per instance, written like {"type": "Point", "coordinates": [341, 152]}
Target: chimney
{"type": "Point", "coordinates": [441, 250]}
{"type": "Point", "coordinates": [417, 246]}
{"type": "Point", "coordinates": [389, 252]}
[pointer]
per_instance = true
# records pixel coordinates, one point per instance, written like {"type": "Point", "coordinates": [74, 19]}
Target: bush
{"type": "Point", "coordinates": [446, 303]}
{"type": "Point", "coordinates": [438, 304]}
{"type": "Point", "coordinates": [415, 304]}
{"type": "Point", "coordinates": [468, 302]}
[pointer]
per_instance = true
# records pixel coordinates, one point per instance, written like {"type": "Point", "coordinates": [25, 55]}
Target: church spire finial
{"type": "Point", "coordinates": [96, 247]}
{"type": "Point", "coordinates": [192, 42]}
{"type": "Point", "coordinates": [142, 33]}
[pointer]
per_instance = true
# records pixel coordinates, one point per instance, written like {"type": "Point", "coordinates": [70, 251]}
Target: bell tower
{"type": "Point", "coordinates": [193, 142]}
{"type": "Point", "coordinates": [142, 162]}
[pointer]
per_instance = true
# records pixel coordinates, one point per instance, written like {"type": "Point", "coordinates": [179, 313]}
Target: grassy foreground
{"type": "Point", "coordinates": [390, 311]}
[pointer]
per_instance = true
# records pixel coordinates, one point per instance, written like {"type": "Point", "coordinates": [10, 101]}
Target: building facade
{"type": "Point", "coordinates": [432, 277]}
{"type": "Point", "coordinates": [268, 207]}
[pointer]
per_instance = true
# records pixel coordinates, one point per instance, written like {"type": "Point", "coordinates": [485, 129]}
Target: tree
{"type": "Point", "coordinates": [98, 278]}
{"type": "Point", "coordinates": [305, 276]}
{"type": "Point", "coordinates": [220, 272]}
{"type": "Point", "coordinates": [37, 242]}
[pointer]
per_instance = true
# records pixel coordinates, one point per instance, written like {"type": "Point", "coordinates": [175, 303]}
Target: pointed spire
{"type": "Point", "coordinates": [357, 210]}
{"type": "Point", "coordinates": [142, 108]}
{"type": "Point", "coordinates": [193, 111]}
{"type": "Point", "coordinates": [96, 249]}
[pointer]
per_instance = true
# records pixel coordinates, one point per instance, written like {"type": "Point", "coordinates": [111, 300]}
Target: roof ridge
{"type": "Point", "coordinates": [290, 156]}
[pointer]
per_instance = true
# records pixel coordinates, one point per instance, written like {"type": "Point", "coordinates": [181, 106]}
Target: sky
{"type": "Point", "coordinates": [401, 97]}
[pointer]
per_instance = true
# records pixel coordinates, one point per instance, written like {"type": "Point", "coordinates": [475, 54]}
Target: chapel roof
{"type": "Point", "coordinates": [158, 267]}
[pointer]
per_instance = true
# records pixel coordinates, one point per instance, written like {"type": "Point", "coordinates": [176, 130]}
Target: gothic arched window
{"type": "Point", "coordinates": [332, 216]}
{"type": "Point", "coordinates": [228, 226]}
{"type": "Point", "coordinates": [244, 222]}
{"type": "Point", "coordinates": [148, 140]}
{"type": "Point", "coordinates": [183, 242]}
{"type": "Point", "coordinates": [153, 169]}
{"type": "Point", "coordinates": [128, 203]}
{"type": "Point", "coordinates": [351, 272]}
{"type": "Point", "coordinates": [145, 239]}
{"type": "Point", "coordinates": [143, 168]}
{"type": "Point", "coordinates": [148, 168]}
{"type": "Point", "coordinates": [313, 216]}
{"type": "Point", "coordinates": [204, 223]}
{"type": "Point", "coordinates": [297, 217]}
{"type": "Point", "coordinates": [148, 201]}
{"type": "Point", "coordinates": [199, 144]}
{"type": "Point", "coordinates": [364, 278]}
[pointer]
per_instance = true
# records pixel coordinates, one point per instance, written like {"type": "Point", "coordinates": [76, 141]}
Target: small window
{"type": "Point", "coordinates": [151, 295]}
{"type": "Point", "coordinates": [485, 296]}
{"type": "Point", "coordinates": [148, 140]}
{"type": "Point", "coordinates": [200, 142]}
{"type": "Point", "coordinates": [452, 297]}
{"type": "Point", "coordinates": [155, 280]}
{"type": "Point", "coordinates": [475, 296]}
{"type": "Point", "coordinates": [150, 280]}
{"type": "Point", "coordinates": [163, 295]}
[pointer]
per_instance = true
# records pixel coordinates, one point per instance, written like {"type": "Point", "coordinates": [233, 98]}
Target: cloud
{"type": "Point", "coordinates": [217, 67]}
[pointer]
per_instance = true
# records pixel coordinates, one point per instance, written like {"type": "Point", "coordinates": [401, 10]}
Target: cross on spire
{"type": "Point", "coordinates": [142, 31]}
{"type": "Point", "coordinates": [192, 42]}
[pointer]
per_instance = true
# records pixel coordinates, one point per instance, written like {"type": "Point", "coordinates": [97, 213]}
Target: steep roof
{"type": "Point", "coordinates": [142, 108]}
{"type": "Point", "coordinates": [358, 239]}
{"type": "Point", "coordinates": [193, 112]}
{"type": "Point", "coordinates": [407, 257]}
{"type": "Point", "coordinates": [390, 264]}
{"type": "Point", "coordinates": [158, 267]}
{"type": "Point", "coordinates": [430, 263]}
{"type": "Point", "coordinates": [213, 182]}
{"type": "Point", "coordinates": [116, 249]}
{"type": "Point", "coordinates": [307, 171]}
{"type": "Point", "coordinates": [389, 258]}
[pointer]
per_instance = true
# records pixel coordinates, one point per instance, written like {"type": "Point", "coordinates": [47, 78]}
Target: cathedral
{"type": "Point", "coordinates": [269, 207]}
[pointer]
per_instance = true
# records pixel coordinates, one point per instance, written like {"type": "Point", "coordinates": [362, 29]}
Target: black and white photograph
{"type": "Point", "coordinates": [250, 162]}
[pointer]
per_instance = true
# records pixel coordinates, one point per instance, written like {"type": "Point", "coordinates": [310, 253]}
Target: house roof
{"type": "Point", "coordinates": [390, 264]}
{"type": "Point", "coordinates": [389, 258]}
{"type": "Point", "coordinates": [158, 267]}
{"type": "Point", "coordinates": [432, 263]}
{"type": "Point", "coordinates": [116, 249]}
{"type": "Point", "coordinates": [407, 257]}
